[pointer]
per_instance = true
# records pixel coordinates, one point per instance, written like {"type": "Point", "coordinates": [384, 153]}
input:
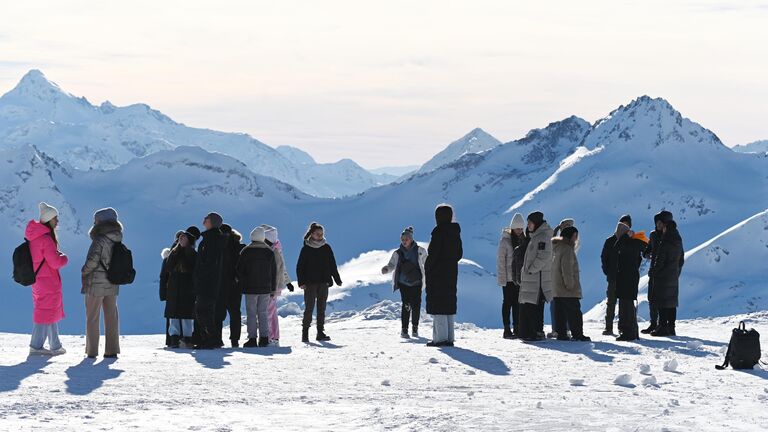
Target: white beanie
{"type": "Point", "coordinates": [270, 233]}
{"type": "Point", "coordinates": [518, 221]}
{"type": "Point", "coordinates": [47, 212]}
{"type": "Point", "coordinates": [257, 235]}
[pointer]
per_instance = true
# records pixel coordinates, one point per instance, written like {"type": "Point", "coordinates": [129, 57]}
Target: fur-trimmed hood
{"type": "Point", "coordinates": [111, 229]}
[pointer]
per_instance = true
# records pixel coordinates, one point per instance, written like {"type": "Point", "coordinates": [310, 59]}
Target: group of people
{"type": "Point", "coordinates": [203, 283]}
{"type": "Point", "coordinates": [538, 264]}
{"type": "Point", "coordinates": [99, 293]}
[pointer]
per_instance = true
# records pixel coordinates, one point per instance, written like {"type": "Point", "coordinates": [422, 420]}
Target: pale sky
{"type": "Point", "coordinates": [392, 83]}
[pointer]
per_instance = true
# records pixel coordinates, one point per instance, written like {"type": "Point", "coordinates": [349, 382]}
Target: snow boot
{"type": "Point", "coordinates": [581, 338]}
{"type": "Point", "coordinates": [235, 344]}
{"type": "Point", "coordinates": [263, 342]}
{"type": "Point", "coordinates": [305, 334]}
{"type": "Point", "coordinates": [173, 342]}
{"type": "Point", "coordinates": [252, 343]}
{"type": "Point", "coordinates": [661, 331]}
{"type": "Point", "coordinates": [563, 338]}
{"type": "Point", "coordinates": [321, 336]}
{"type": "Point", "coordinates": [110, 356]}
{"type": "Point", "coordinates": [624, 337]}
{"type": "Point", "coordinates": [508, 333]}
{"type": "Point", "coordinates": [404, 334]}
{"type": "Point", "coordinates": [415, 332]}
{"type": "Point", "coordinates": [608, 330]}
{"type": "Point", "coordinates": [650, 329]}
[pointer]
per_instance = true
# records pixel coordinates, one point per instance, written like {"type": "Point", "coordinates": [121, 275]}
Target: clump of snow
{"type": "Point", "coordinates": [645, 369]}
{"type": "Point", "coordinates": [289, 309]}
{"type": "Point", "coordinates": [386, 383]}
{"type": "Point", "coordinates": [576, 381]}
{"type": "Point", "coordinates": [694, 344]}
{"type": "Point", "coordinates": [649, 381]}
{"type": "Point", "coordinates": [433, 360]}
{"type": "Point", "coordinates": [623, 380]}
{"type": "Point", "coordinates": [671, 365]}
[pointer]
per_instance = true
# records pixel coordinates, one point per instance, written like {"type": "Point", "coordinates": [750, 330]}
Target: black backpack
{"type": "Point", "coordinates": [409, 269]}
{"type": "Point", "coordinates": [743, 349]}
{"type": "Point", "coordinates": [24, 272]}
{"type": "Point", "coordinates": [120, 270]}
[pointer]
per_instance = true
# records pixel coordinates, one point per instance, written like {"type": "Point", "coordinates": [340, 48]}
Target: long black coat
{"type": "Point", "coordinates": [179, 292]}
{"type": "Point", "coordinates": [628, 259]}
{"type": "Point", "coordinates": [442, 269]}
{"type": "Point", "coordinates": [665, 270]}
{"type": "Point", "coordinates": [230, 289]}
{"type": "Point", "coordinates": [210, 264]}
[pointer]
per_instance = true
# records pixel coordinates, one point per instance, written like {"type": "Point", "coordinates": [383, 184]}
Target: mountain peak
{"type": "Point", "coordinates": [34, 83]}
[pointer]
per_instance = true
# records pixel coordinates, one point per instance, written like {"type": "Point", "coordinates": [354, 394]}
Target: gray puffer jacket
{"type": "Point", "coordinates": [537, 267]}
{"type": "Point", "coordinates": [103, 235]}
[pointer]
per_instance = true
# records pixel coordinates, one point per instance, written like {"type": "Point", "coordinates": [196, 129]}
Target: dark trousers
{"type": "Point", "coordinates": [411, 310]}
{"type": "Point", "coordinates": [628, 318]}
{"type": "Point", "coordinates": [568, 315]}
{"type": "Point", "coordinates": [511, 302]}
{"type": "Point", "coordinates": [205, 310]}
{"type": "Point", "coordinates": [531, 319]}
{"type": "Point", "coordinates": [667, 317]}
{"type": "Point", "coordinates": [315, 294]}
{"type": "Point", "coordinates": [653, 313]}
{"type": "Point", "coordinates": [231, 305]}
{"type": "Point", "coordinates": [610, 311]}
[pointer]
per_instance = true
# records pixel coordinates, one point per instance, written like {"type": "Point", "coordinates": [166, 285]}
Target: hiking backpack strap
{"type": "Point", "coordinates": [727, 359]}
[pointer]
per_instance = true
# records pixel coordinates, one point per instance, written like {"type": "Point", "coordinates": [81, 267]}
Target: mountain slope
{"type": "Point", "coordinates": [755, 147]}
{"type": "Point", "coordinates": [476, 141]}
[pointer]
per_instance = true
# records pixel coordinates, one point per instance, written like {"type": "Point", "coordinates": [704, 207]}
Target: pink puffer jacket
{"type": "Point", "coordinates": [46, 291]}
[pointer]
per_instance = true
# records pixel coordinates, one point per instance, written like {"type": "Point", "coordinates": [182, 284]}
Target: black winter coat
{"type": "Point", "coordinates": [230, 289]}
{"type": "Point", "coordinates": [518, 259]}
{"type": "Point", "coordinates": [442, 269]}
{"type": "Point", "coordinates": [210, 264]}
{"type": "Point", "coordinates": [628, 259]}
{"type": "Point", "coordinates": [317, 266]}
{"type": "Point", "coordinates": [609, 258]}
{"type": "Point", "coordinates": [257, 269]}
{"type": "Point", "coordinates": [179, 294]}
{"type": "Point", "coordinates": [665, 270]}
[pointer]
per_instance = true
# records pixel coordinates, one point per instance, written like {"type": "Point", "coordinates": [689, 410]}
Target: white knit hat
{"type": "Point", "coordinates": [257, 235]}
{"type": "Point", "coordinates": [270, 233]}
{"type": "Point", "coordinates": [518, 222]}
{"type": "Point", "coordinates": [47, 212]}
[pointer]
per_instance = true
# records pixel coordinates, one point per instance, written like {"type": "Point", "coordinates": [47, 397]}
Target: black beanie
{"type": "Point", "coordinates": [627, 219]}
{"type": "Point", "coordinates": [568, 232]}
{"type": "Point", "coordinates": [537, 218]}
{"type": "Point", "coordinates": [666, 217]}
{"type": "Point", "coordinates": [194, 232]}
{"type": "Point", "coordinates": [216, 219]}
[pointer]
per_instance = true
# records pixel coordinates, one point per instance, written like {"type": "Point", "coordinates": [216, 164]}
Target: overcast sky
{"type": "Point", "coordinates": [393, 82]}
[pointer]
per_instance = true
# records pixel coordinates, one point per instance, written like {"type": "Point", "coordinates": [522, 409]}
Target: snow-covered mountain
{"type": "Point", "coordinates": [395, 171]}
{"type": "Point", "coordinates": [640, 159]}
{"type": "Point", "coordinates": [476, 141]}
{"type": "Point", "coordinates": [754, 147]}
{"type": "Point", "coordinates": [75, 132]}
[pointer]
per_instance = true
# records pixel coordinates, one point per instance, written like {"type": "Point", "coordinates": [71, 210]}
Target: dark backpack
{"type": "Point", "coordinates": [120, 270]}
{"type": "Point", "coordinates": [743, 349]}
{"type": "Point", "coordinates": [24, 272]}
{"type": "Point", "coordinates": [409, 269]}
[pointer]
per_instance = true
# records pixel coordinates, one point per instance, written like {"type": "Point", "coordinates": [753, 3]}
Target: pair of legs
{"type": "Point", "coordinates": [610, 311]}
{"type": "Point", "coordinates": [567, 312]}
{"type": "Point", "coordinates": [667, 319]}
{"type": "Point", "coordinates": [229, 305]}
{"type": "Point", "coordinates": [257, 317]}
{"type": "Point", "coordinates": [628, 319]}
{"type": "Point", "coordinates": [411, 310]}
{"type": "Point", "coordinates": [531, 319]}
{"type": "Point", "coordinates": [181, 327]}
{"type": "Point", "coordinates": [205, 310]}
{"type": "Point", "coordinates": [93, 308]}
{"type": "Point", "coordinates": [442, 328]}
{"type": "Point", "coordinates": [315, 294]}
{"type": "Point", "coordinates": [274, 324]}
{"type": "Point", "coordinates": [511, 303]}
{"type": "Point", "coordinates": [43, 332]}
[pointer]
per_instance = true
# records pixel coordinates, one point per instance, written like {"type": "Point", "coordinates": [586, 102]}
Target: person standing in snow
{"type": "Point", "coordinates": [566, 286]}
{"type": "Point", "coordinates": [179, 289]}
{"type": "Point", "coordinates": [665, 271]}
{"type": "Point", "coordinates": [101, 294]}
{"type": "Point", "coordinates": [316, 271]}
{"type": "Point", "coordinates": [208, 278]}
{"type": "Point", "coordinates": [283, 280]}
{"type": "Point", "coordinates": [608, 258]}
{"type": "Point", "coordinates": [407, 267]}
{"type": "Point", "coordinates": [629, 249]}
{"type": "Point", "coordinates": [164, 281]}
{"type": "Point", "coordinates": [511, 238]}
{"type": "Point", "coordinates": [536, 278]}
{"type": "Point", "coordinates": [565, 223]}
{"type": "Point", "coordinates": [230, 297]}
{"type": "Point", "coordinates": [441, 271]}
{"type": "Point", "coordinates": [258, 277]}
{"type": "Point", "coordinates": [653, 244]}
{"type": "Point", "coordinates": [47, 298]}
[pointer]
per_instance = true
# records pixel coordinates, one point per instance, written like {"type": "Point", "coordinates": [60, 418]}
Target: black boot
{"type": "Point", "coordinates": [173, 342]}
{"type": "Point", "coordinates": [608, 329]}
{"type": "Point", "coordinates": [650, 328]}
{"type": "Point", "coordinates": [508, 333]}
{"type": "Point", "coordinates": [321, 336]}
{"type": "Point", "coordinates": [305, 334]}
{"type": "Point", "coordinates": [661, 331]}
{"type": "Point", "coordinates": [263, 342]}
{"type": "Point", "coordinates": [252, 343]}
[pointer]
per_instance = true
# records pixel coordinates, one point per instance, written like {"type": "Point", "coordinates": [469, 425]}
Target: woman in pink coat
{"type": "Point", "coordinates": [46, 291]}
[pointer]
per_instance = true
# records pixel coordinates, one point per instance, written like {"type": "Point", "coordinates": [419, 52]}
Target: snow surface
{"type": "Point", "coordinates": [368, 378]}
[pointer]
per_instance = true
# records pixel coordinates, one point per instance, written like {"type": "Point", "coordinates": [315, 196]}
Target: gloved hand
{"type": "Point", "coordinates": [290, 287]}
{"type": "Point", "coordinates": [385, 270]}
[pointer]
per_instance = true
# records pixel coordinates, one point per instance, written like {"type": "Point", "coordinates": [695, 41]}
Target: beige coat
{"type": "Point", "coordinates": [504, 254]}
{"type": "Point", "coordinates": [565, 269]}
{"type": "Point", "coordinates": [94, 272]}
{"type": "Point", "coordinates": [537, 267]}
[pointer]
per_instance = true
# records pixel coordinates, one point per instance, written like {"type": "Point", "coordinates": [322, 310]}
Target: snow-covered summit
{"type": "Point", "coordinates": [476, 141]}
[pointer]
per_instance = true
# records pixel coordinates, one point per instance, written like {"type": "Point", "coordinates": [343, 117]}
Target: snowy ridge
{"type": "Point", "coordinates": [476, 141]}
{"type": "Point", "coordinates": [754, 147]}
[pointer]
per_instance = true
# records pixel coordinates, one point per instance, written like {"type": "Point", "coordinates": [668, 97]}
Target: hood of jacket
{"type": "Point", "coordinates": [257, 245]}
{"type": "Point", "coordinates": [110, 229]}
{"type": "Point", "coordinates": [543, 232]}
{"type": "Point", "coordinates": [452, 228]}
{"type": "Point", "coordinates": [35, 230]}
